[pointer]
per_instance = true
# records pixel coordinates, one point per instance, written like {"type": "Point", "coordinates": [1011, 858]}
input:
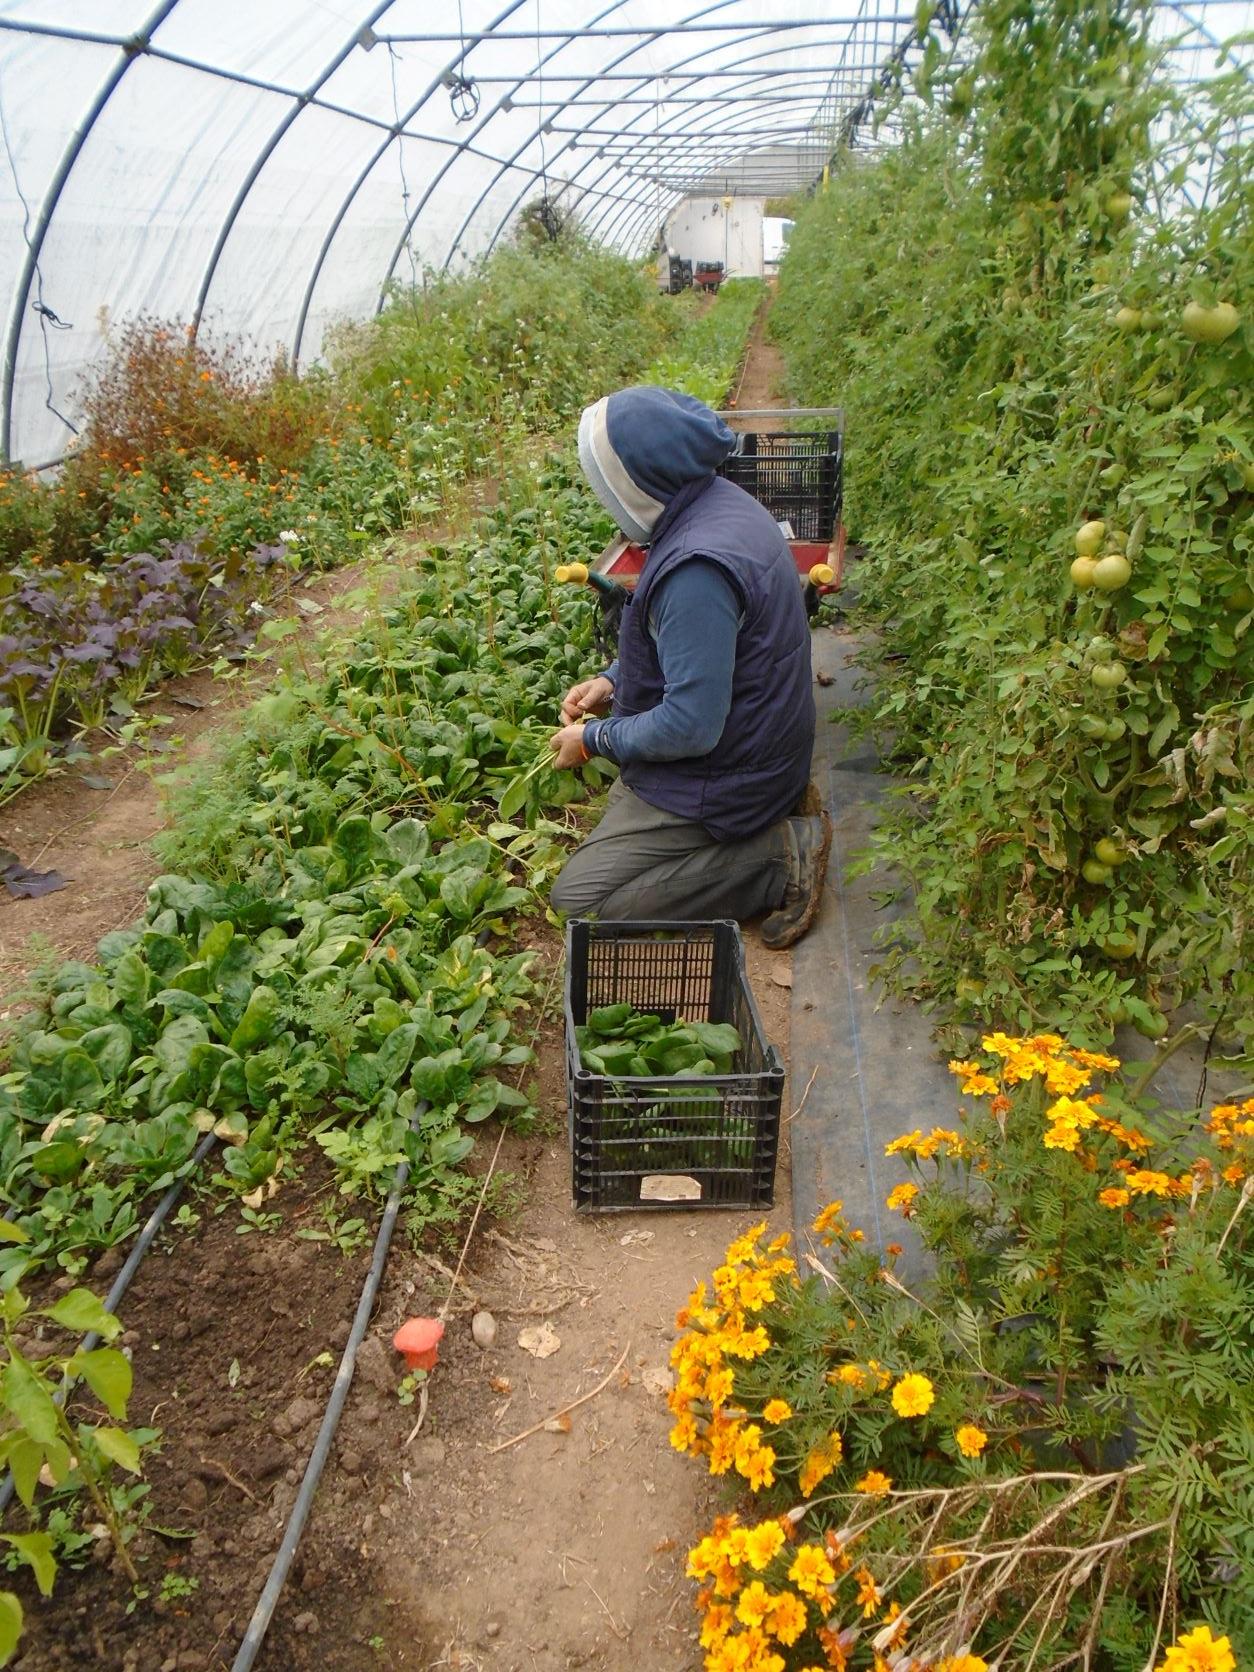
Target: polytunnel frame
{"type": "Point", "coordinates": [752, 33]}
{"type": "Point", "coordinates": [616, 207]}
{"type": "Point", "coordinates": [678, 193]}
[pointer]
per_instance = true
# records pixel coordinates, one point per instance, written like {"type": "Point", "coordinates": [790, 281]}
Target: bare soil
{"type": "Point", "coordinates": [566, 1549]}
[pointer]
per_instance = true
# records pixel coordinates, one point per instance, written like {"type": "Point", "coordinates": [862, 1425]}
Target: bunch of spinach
{"type": "Point", "coordinates": [680, 1131]}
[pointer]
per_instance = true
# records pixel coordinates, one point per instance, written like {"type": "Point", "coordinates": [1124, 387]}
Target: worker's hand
{"type": "Point", "coordinates": [567, 745]}
{"type": "Point", "coordinates": [590, 696]}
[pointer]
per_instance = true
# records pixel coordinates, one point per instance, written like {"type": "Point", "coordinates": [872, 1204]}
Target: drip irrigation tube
{"type": "Point", "coordinates": [122, 1282]}
{"type": "Point", "coordinates": [268, 1600]}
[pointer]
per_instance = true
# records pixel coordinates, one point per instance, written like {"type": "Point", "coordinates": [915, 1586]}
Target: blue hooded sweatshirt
{"type": "Point", "coordinates": [713, 715]}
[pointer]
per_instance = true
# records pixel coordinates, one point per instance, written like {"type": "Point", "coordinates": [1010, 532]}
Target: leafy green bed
{"type": "Point", "coordinates": [309, 965]}
{"type": "Point", "coordinates": [709, 352]}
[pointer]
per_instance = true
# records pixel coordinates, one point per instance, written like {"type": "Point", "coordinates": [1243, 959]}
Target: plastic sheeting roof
{"type": "Point", "coordinates": [268, 166]}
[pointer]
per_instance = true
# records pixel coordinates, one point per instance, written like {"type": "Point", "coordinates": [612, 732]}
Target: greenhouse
{"type": "Point", "coordinates": [627, 836]}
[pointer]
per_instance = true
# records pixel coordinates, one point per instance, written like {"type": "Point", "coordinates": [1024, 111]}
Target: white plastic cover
{"type": "Point", "coordinates": [265, 167]}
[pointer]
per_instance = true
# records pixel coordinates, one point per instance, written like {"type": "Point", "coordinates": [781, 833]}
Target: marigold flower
{"type": "Point", "coordinates": [913, 1396]}
{"type": "Point", "coordinates": [1113, 1197]}
{"type": "Point", "coordinates": [905, 1144]}
{"type": "Point", "coordinates": [1143, 1181]}
{"type": "Point", "coordinates": [971, 1440]}
{"type": "Point", "coordinates": [1198, 1651]}
{"type": "Point", "coordinates": [1094, 1059]}
{"type": "Point", "coordinates": [820, 1463]}
{"type": "Point", "coordinates": [787, 1617]}
{"type": "Point", "coordinates": [868, 1592]}
{"type": "Point", "coordinates": [776, 1410]}
{"type": "Point", "coordinates": [961, 1663]}
{"type": "Point", "coordinates": [901, 1198]}
{"type": "Point", "coordinates": [875, 1483]}
{"type": "Point", "coordinates": [810, 1571]}
{"type": "Point", "coordinates": [754, 1602]}
{"type": "Point", "coordinates": [827, 1218]}
{"type": "Point", "coordinates": [762, 1544]}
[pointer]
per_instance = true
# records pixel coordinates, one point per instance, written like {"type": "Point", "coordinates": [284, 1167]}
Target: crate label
{"type": "Point", "coordinates": [669, 1187]}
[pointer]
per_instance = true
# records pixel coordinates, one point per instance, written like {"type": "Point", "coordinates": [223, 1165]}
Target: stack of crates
{"type": "Point", "coordinates": [797, 478]}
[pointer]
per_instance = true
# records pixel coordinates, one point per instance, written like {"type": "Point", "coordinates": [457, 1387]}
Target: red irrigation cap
{"type": "Point", "coordinates": [419, 1340]}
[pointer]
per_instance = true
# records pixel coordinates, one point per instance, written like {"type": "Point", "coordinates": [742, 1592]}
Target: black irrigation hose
{"type": "Point", "coordinates": [122, 1282]}
{"type": "Point", "coordinates": [268, 1600]}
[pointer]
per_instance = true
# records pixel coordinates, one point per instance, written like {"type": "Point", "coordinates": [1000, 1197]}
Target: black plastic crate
{"type": "Point", "coordinates": [670, 1142]}
{"type": "Point", "coordinates": [797, 478]}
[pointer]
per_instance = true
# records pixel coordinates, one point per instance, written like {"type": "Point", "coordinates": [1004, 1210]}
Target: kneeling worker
{"type": "Point", "coordinates": [710, 707]}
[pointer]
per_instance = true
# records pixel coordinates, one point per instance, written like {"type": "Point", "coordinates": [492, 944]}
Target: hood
{"type": "Point", "coordinates": [639, 446]}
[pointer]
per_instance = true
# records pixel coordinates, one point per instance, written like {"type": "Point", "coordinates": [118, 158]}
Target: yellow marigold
{"type": "Point", "coordinates": [943, 1562]}
{"type": "Point", "coordinates": [905, 1144]}
{"type": "Point", "coordinates": [755, 1461]}
{"type": "Point", "coordinates": [850, 1375]}
{"type": "Point", "coordinates": [787, 1618]}
{"type": "Point", "coordinates": [721, 1436]}
{"type": "Point", "coordinates": [901, 1198]}
{"type": "Point", "coordinates": [1000, 1044]}
{"type": "Point", "coordinates": [776, 1410]}
{"type": "Point", "coordinates": [1198, 1651]}
{"type": "Point", "coordinates": [883, 1377]}
{"type": "Point", "coordinates": [913, 1396]}
{"type": "Point", "coordinates": [762, 1544]}
{"type": "Point", "coordinates": [1113, 1197]}
{"type": "Point", "coordinates": [868, 1592]}
{"type": "Point", "coordinates": [755, 1600]}
{"type": "Point", "coordinates": [820, 1463]}
{"type": "Point", "coordinates": [1143, 1181]}
{"type": "Point", "coordinates": [827, 1218]}
{"type": "Point", "coordinates": [685, 1436]}
{"type": "Point", "coordinates": [961, 1663]}
{"type": "Point", "coordinates": [971, 1440]}
{"type": "Point", "coordinates": [811, 1571]}
{"type": "Point", "coordinates": [1072, 1112]}
{"type": "Point", "coordinates": [719, 1620]}
{"type": "Point", "coordinates": [814, 1471]}
{"type": "Point", "coordinates": [1062, 1135]}
{"type": "Point", "coordinates": [874, 1483]}
{"type": "Point", "coordinates": [1094, 1059]}
{"type": "Point", "coordinates": [1064, 1077]}
{"type": "Point", "coordinates": [718, 1387]}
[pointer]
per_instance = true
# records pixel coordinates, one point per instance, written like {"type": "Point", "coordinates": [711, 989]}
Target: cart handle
{"type": "Point", "coordinates": [785, 412]}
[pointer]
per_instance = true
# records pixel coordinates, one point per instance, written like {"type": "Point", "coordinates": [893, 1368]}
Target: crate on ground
{"type": "Point", "coordinates": [695, 1141]}
{"type": "Point", "coordinates": [797, 478]}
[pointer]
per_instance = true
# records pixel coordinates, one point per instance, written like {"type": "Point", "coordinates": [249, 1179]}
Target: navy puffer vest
{"type": "Point", "coordinates": [761, 763]}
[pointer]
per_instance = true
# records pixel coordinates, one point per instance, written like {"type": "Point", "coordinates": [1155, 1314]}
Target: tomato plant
{"type": "Point", "coordinates": [1041, 335]}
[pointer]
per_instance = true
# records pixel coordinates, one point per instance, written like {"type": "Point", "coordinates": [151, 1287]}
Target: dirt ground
{"type": "Point", "coordinates": [448, 1548]}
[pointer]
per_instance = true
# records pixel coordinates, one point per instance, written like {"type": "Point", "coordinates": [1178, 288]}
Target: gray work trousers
{"type": "Point", "coordinates": [642, 863]}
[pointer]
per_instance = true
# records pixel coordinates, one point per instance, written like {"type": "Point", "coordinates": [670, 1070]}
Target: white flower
{"type": "Point", "coordinates": [287, 535]}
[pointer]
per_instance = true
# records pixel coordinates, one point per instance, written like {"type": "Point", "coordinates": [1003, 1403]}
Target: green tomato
{"type": "Point", "coordinates": [1112, 572]}
{"type": "Point", "coordinates": [1082, 573]}
{"type": "Point", "coordinates": [1108, 676]}
{"type": "Point", "coordinates": [1209, 325]}
{"type": "Point", "coordinates": [1100, 650]}
{"type": "Point", "coordinates": [1109, 852]}
{"type": "Point", "coordinates": [1115, 729]}
{"type": "Point", "coordinates": [1095, 872]}
{"type": "Point", "coordinates": [1088, 538]}
{"type": "Point", "coordinates": [1154, 1026]}
{"type": "Point", "coordinates": [1120, 945]}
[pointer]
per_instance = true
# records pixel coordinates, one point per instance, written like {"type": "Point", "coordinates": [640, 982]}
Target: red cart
{"type": "Point", "coordinates": [796, 474]}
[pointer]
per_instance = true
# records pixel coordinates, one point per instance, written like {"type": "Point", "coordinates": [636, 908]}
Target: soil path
{"type": "Point", "coordinates": [440, 1549]}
